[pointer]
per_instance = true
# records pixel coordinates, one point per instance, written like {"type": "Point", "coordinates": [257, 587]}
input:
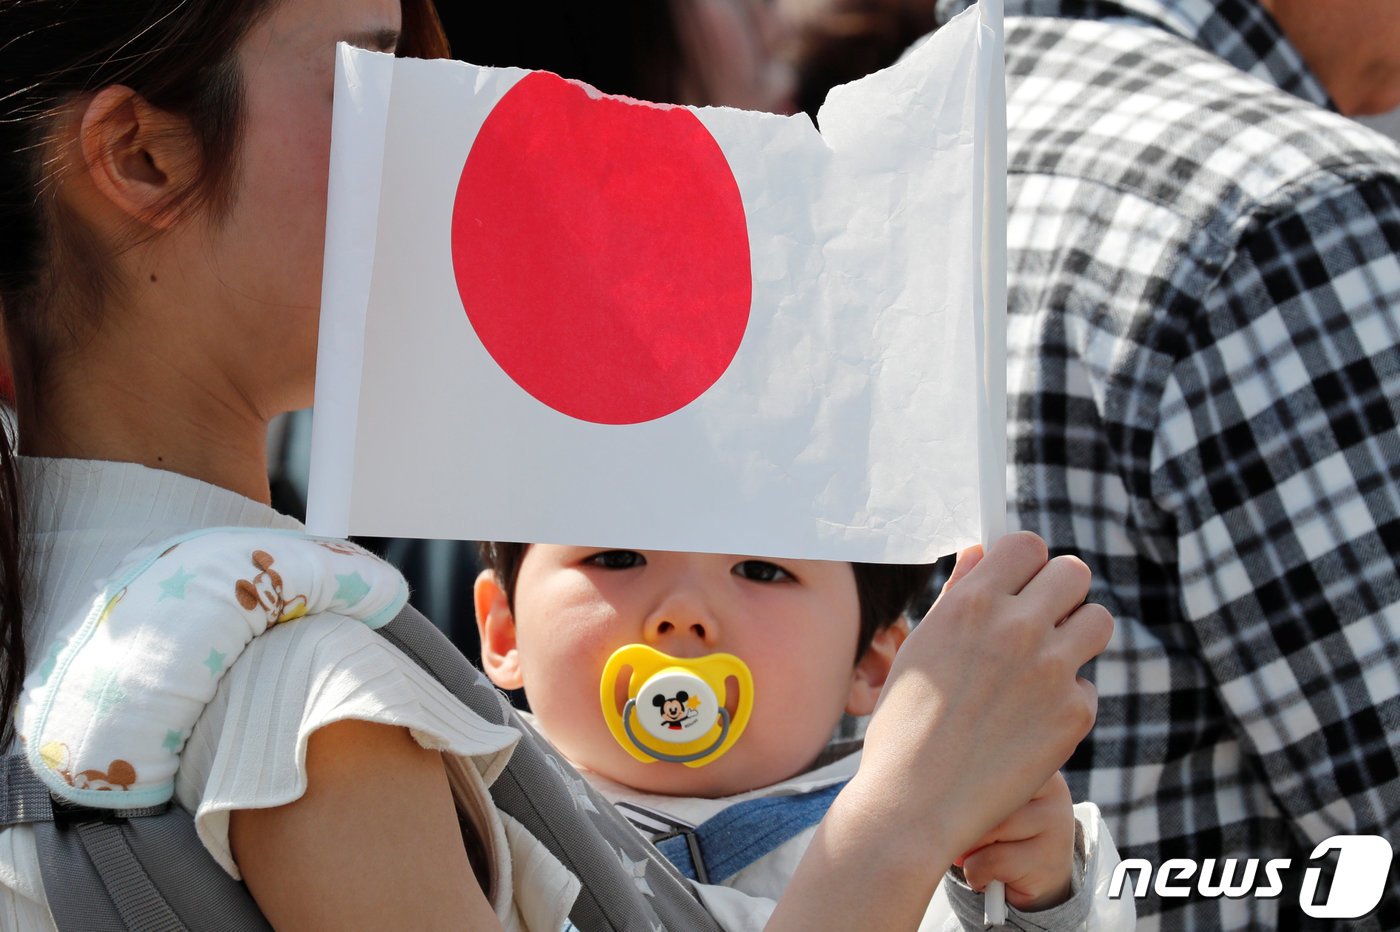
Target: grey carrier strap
{"type": "Point", "coordinates": [147, 870]}
{"type": "Point", "coordinates": [105, 870]}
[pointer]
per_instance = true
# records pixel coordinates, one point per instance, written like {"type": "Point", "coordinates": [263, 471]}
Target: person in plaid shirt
{"type": "Point", "coordinates": [1204, 386]}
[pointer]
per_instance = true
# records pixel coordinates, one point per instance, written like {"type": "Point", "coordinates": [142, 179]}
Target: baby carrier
{"type": "Point", "coordinates": [145, 868]}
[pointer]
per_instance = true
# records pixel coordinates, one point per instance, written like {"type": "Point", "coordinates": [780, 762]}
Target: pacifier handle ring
{"type": "Point", "coordinates": [674, 758]}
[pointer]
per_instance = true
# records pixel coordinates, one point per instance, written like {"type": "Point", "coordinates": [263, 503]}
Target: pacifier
{"type": "Point", "coordinates": [677, 709]}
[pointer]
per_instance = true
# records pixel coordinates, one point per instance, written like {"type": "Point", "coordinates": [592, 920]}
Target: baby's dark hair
{"type": "Point", "coordinates": [885, 590]}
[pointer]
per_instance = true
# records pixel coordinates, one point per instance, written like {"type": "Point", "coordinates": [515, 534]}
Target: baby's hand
{"type": "Point", "coordinates": [1032, 851]}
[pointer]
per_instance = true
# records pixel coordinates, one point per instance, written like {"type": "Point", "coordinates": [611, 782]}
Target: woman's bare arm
{"type": "Point", "coordinates": [373, 844]}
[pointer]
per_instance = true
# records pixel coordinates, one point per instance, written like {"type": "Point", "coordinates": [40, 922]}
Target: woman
{"type": "Point", "coordinates": [162, 179]}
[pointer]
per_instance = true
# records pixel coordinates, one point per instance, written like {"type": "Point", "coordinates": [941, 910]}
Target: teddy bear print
{"type": "Point", "coordinates": [265, 592]}
{"type": "Point", "coordinates": [119, 775]}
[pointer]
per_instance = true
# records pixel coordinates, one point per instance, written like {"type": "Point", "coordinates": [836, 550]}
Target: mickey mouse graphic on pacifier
{"type": "Point", "coordinates": [673, 710]}
{"type": "Point", "coordinates": [678, 710]}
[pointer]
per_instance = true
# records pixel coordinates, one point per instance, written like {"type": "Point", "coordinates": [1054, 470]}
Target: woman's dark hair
{"type": "Point", "coordinates": [885, 590]}
{"type": "Point", "coordinates": [629, 47]}
{"type": "Point", "coordinates": [847, 39]}
{"type": "Point", "coordinates": [180, 56]}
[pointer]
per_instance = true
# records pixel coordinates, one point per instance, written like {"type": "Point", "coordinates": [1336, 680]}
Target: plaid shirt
{"type": "Point", "coordinates": [1204, 386]}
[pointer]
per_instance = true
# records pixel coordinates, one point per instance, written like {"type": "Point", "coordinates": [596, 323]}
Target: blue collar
{"type": "Point", "coordinates": [736, 837]}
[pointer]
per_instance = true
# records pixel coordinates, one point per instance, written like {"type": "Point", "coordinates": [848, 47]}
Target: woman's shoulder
{"type": "Point", "coordinates": [248, 749]}
{"type": "Point", "coordinates": [327, 667]}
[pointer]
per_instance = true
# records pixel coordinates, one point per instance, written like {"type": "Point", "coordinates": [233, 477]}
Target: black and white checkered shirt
{"type": "Point", "coordinates": [1204, 387]}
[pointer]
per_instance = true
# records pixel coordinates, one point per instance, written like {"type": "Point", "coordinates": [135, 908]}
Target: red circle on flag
{"type": "Point", "coordinates": [601, 251]}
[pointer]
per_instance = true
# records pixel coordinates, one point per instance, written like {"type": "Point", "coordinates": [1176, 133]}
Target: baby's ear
{"type": "Point", "coordinates": [495, 622]}
{"type": "Point", "coordinates": [873, 668]}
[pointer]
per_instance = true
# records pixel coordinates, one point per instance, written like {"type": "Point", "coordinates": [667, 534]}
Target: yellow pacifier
{"type": "Point", "coordinates": [677, 709]}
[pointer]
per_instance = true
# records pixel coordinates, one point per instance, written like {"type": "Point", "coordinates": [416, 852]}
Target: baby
{"type": "Point", "coordinates": [818, 639]}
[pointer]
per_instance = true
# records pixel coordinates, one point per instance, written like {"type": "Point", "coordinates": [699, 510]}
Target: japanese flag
{"type": "Point", "coordinates": [552, 315]}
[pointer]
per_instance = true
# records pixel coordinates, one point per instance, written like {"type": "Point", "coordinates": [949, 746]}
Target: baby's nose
{"type": "Point", "coordinates": [665, 626]}
{"type": "Point", "coordinates": [682, 626]}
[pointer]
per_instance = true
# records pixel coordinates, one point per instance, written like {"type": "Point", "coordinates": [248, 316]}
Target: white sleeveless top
{"type": "Point", "coordinates": [247, 750]}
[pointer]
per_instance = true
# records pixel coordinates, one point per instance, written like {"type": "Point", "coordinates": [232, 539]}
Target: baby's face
{"type": "Point", "coordinates": [795, 623]}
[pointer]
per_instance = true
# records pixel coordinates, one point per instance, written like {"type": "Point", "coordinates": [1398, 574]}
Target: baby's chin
{"type": "Point", "coordinates": [734, 773]}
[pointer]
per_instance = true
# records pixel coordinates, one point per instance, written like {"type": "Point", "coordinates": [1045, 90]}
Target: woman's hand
{"type": "Point", "coordinates": [983, 704]}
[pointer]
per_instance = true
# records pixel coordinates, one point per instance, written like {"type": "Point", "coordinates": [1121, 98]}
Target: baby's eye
{"type": "Point", "coordinates": [616, 560]}
{"type": "Point", "coordinates": [761, 571]}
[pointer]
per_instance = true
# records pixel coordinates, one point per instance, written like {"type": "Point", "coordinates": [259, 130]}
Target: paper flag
{"type": "Point", "coordinates": [552, 315]}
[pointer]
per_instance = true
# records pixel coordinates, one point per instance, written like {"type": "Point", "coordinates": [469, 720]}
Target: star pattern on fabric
{"type": "Point", "coordinates": [215, 662]}
{"type": "Point", "coordinates": [173, 587]}
{"type": "Point", "coordinates": [578, 790]}
{"type": "Point", "coordinates": [173, 740]}
{"type": "Point", "coordinates": [105, 693]}
{"type": "Point", "coordinates": [352, 588]}
{"type": "Point", "coordinates": [638, 870]}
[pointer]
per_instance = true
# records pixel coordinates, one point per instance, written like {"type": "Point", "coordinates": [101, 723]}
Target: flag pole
{"type": "Point", "coordinates": [991, 99]}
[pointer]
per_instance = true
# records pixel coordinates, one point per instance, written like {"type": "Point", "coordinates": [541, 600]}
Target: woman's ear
{"type": "Point", "coordinates": [873, 668]}
{"type": "Point", "coordinates": [500, 658]}
{"type": "Point", "coordinates": [141, 158]}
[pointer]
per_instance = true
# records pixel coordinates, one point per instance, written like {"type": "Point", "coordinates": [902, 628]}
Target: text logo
{"type": "Point", "coordinates": [1360, 879]}
{"type": "Point", "coordinates": [1362, 868]}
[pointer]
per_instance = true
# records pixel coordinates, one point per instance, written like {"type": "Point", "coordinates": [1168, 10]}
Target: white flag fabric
{"type": "Point", "coordinates": [550, 315]}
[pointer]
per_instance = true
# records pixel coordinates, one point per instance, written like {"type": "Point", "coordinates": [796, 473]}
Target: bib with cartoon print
{"type": "Point", "coordinates": [105, 716]}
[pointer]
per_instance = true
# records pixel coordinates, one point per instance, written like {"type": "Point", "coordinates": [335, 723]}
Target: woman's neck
{"type": "Point", "coordinates": [157, 416]}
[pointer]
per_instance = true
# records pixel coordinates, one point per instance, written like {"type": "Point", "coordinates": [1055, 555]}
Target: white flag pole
{"type": "Point", "coordinates": [361, 112]}
{"type": "Point", "coordinates": [992, 333]}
